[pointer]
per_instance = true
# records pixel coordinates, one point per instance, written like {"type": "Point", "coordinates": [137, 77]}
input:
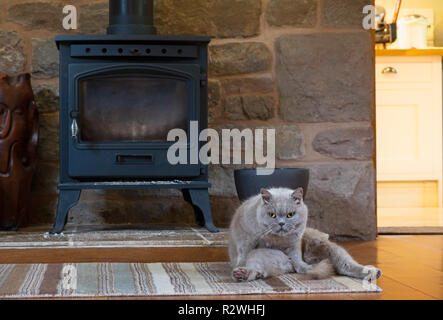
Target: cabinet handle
{"type": "Point", "coordinates": [389, 70]}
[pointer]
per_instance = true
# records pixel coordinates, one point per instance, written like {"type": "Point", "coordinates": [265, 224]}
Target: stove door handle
{"type": "Point", "coordinates": [135, 159]}
{"type": "Point", "coordinates": [74, 129]}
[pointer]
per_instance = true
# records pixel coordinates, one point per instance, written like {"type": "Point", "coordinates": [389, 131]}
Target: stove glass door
{"type": "Point", "coordinates": [131, 108]}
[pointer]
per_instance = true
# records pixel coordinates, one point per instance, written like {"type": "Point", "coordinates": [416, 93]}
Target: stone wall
{"type": "Point", "coordinates": [304, 67]}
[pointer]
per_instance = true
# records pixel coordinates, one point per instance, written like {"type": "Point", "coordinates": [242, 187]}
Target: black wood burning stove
{"type": "Point", "coordinates": [120, 95]}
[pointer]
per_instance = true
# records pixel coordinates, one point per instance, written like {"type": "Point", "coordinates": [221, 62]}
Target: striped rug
{"type": "Point", "coordinates": [153, 279]}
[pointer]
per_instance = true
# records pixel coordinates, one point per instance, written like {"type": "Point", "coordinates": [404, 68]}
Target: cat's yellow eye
{"type": "Point", "coordinates": [291, 214]}
{"type": "Point", "coordinates": [272, 215]}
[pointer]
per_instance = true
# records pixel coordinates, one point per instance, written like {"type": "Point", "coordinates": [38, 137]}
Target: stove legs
{"type": "Point", "coordinates": [66, 200]}
{"type": "Point", "coordinates": [198, 214]}
{"type": "Point", "coordinates": [199, 199]}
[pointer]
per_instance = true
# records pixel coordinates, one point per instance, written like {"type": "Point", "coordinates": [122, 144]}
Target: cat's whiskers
{"type": "Point", "coordinates": [264, 233]}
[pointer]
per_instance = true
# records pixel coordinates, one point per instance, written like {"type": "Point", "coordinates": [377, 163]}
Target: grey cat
{"type": "Point", "coordinates": [269, 237]}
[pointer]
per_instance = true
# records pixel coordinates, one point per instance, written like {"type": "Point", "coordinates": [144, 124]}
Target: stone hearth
{"type": "Point", "coordinates": [90, 236]}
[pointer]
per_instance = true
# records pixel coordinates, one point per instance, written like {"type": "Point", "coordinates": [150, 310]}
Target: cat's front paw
{"type": "Point", "coordinates": [243, 274]}
{"type": "Point", "coordinates": [301, 267]}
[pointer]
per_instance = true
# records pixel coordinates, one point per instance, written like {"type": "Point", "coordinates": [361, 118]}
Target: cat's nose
{"type": "Point", "coordinates": [281, 224]}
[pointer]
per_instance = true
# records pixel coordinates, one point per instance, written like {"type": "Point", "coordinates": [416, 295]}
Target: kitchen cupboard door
{"type": "Point", "coordinates": [406, 134]}
{"type": "Point", "coordinates": [409, 126]}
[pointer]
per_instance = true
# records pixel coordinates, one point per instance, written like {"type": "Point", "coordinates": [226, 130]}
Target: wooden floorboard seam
{"type": "Point", "coordinates": [412, 288]}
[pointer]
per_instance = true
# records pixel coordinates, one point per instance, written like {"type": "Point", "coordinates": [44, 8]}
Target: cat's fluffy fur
{"type": "Point", "coordinates": [269, 237]}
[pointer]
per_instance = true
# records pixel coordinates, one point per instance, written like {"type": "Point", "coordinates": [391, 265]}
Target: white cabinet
{"type": "Point", "coordinates": [409, 119]}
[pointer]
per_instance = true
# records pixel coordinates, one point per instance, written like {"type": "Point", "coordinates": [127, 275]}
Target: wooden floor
{"type": "Point", "coordinates": [412, 265]}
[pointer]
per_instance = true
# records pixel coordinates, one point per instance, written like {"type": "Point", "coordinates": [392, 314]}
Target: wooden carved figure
{"type": "Point", "coordinates": [18, 149]}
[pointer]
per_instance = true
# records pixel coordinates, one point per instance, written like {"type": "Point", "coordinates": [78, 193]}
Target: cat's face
{"type": "Point", "coordinates": [283, 211]}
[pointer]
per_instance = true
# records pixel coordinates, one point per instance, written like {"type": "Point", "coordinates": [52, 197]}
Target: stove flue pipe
{"type": "Point", "coordinates": [131, 17]}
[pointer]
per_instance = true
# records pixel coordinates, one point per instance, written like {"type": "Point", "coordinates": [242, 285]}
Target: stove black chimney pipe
{"type": "Point", "coordinates": [131, 17]}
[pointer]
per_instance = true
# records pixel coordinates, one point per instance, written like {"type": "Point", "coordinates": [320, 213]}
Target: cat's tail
{"type": "Point", "coordinates": [322, 270]}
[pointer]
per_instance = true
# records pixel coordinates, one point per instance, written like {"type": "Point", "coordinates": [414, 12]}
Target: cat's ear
{"type": "Point", "coordinates": [265, 195]}
{"type": "Point", "coordinates": [297, 194]}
